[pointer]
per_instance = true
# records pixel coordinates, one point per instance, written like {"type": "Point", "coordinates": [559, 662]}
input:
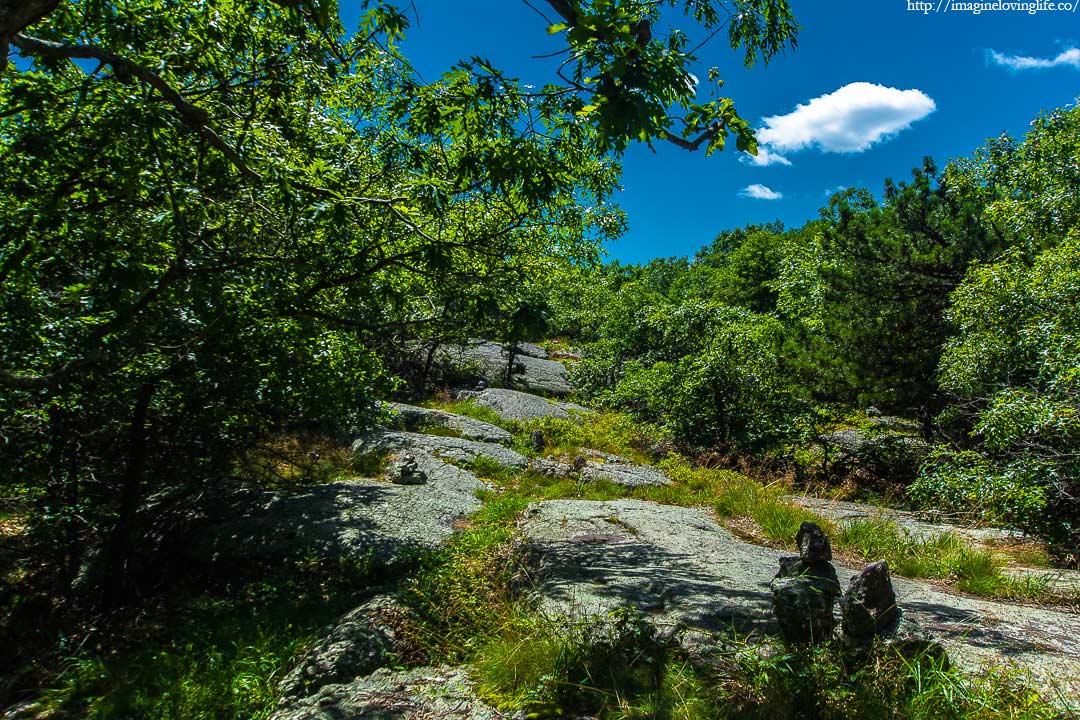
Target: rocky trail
{"type": "Point", "coordinates": [696, 581]}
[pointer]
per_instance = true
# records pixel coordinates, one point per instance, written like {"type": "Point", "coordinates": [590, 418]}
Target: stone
{"type": "Point", "coordinates": [460, 450]}
{"type": "Point", "coordinates": [416, 419]}
{"type": "Point", "coordinates": [868, 607]}
{"type": "Point", "coordinates": [821, 572]}
{"type": "Point", "coordinates": [803, 612]}
{"type": "Point", "coordinates": [813, 543]}
{"type": "Point", "coordinates": [515, 405]}
{"type": "Point", "coordinates": [364, 640]}
{"type": "Point", "coordinates": [418, 694]}
{"type": "Point", "coordinates": [370, 523]}
{"type": "Point", "coordinates": [891, 447]}
{"type": "Point", "coordinates": [538, 441]}
{"type": "Point", "coordinates": [583, 558]}
{"type": "Point", "coordinates": [404, 470]}
{"type": "Point", "coordinates": [531, 369]}
{"type": "Point", "coordinates": [550, 468]}
{"type": "Point", "coordinates": [625, 474]}
{"type": "Point", "coordinates": [804, 593]}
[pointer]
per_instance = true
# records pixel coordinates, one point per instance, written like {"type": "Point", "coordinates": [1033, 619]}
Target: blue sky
{"type": "Point", "coordinates": [871, 89]}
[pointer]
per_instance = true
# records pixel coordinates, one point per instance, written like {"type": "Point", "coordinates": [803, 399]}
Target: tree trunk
{"type": "Point", "coordinates": [118, 549]}
{"type": "Point", "coordinates": [17, 15]}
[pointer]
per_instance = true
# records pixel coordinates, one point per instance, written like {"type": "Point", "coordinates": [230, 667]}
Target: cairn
{"type": "Point", "coordinates": [404, 470]}
{"type": "Point", "coordinates": [805, 590]}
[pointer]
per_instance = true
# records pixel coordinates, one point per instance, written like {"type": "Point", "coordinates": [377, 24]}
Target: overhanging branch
{"type": "Point", "coordinates": [192, 116]}
{"type": "Point", "coordinates": [693, 145]}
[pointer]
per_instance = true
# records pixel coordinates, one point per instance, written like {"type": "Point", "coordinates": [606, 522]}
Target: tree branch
{"type": "Point", "coordinates": [192, 116]}
{"type": "Point", "coordinates": [16, 16]}
{"type": "Point", "coordinates": [694, 144]}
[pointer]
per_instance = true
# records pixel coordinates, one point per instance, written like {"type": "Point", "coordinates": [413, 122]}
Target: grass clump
{"type": "Point", "coordinates": [297, 459]}
{"type": "Point", "coordinates": [944, 556]}
{"type": "Point", "coordinates": [609, 432]}
{"type": "Point", "coordinates": [467, 408]}
{"type": "Point", "coordinates": [213, 655]}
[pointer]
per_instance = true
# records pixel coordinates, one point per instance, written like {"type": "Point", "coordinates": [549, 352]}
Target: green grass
{"type": "Point", "coordinates": [609, 432]}
{"type": "Point", "coordinates": [210, 656]}
{"type": "Point", "coordinates": [944, 556]}
{"type": "Point", "coordinates": [467, 408]}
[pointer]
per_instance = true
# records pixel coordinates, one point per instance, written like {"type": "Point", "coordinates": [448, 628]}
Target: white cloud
{"type": "Point", "coordinates": [760, 192]}
{"type": "Point", "coordinates": [829, 192]}
{"type": "Point", "coordinates": [849, 120]}
{"type": "Point", "coordinates": [1069, 57]}
{"type": "Point", "coordinates": [764, 158]}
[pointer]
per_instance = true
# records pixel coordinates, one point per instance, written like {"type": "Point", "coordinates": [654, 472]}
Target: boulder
{"type": "Point", "coordinates": [372, 524]}
{"type": "Point", "coordinates": [531, 369]}
{"type": "Point", "coordinates": [386, 694]}
{"type": "Point", "coordinates": [805, 589]}
{"type": "Point", "coordinates": [803, 612]}
{"type": "Point", "coordinates": [550, 468]}
{"type": "Point", "coordinates": [868, 608]}
{"type": "Point", "coordinates": [514, 405]}
{"type": "Point", "coordinates": [416, 419]}
{"type": "Point", "coordinates": [626, 474]}
{"type": "Point", "coordinates": [890, 448]}
{"type": "Point", "coordinates": [364, 640]}
{"type": "Point", "coordinates": [458, 450]}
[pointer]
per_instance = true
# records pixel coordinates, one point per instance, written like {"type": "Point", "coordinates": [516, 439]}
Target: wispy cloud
{"type": "Point", "coordinates": [829, 192]}
{"type": "Point", "coordinates": [760, 192]}
{"type": "Point", "coordinates": [1067, 58]}
{"type": "Point", "coordinates": [764, 158]}
{"type": "Point", "coordinates": [849, 120]}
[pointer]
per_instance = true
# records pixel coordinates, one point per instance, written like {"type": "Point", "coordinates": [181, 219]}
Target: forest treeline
{"type": "Point", "coordinates": [229, 220]}
{"type": "Point", "coordinates": [953, 301]}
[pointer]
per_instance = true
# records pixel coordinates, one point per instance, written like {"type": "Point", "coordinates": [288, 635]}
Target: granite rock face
{"type": "Point", "coordinates": [690, 575]}
{"type": "Point", "coordinates": [627, 474]}
{"type": "Point", "coordinates": [455, 449]}
{"type": "Point", "coordinates": [416, 419]}
{"type": "Point", "coordinates": [514, 405]}
{"type": "Point", "coordinates": [367, 522]}
{"type": "Point", "coordinates": [364, 640]}
{"type": "Point", "coordinates": [530, 368]}
{"type": "Point", "coordinates": [420, 694]}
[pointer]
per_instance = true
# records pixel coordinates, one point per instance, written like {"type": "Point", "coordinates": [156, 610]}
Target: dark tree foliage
{"type": "Point", "coordinates": [229, 219]}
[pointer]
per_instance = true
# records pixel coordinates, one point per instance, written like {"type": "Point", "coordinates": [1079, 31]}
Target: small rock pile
{"type": "Point", "coordinates": [404, 470]}
{"type": "Point", "coordinates": [805, 591]}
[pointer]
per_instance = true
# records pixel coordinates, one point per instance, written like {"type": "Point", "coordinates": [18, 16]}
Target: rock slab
{"type": "Point", "coordinates": [531, 369]}
{"type": "Point", "coordinates": [685, 570]}
{"type": "Point", "coordinates": [459, 450]}
{"type": "Point", "coordinates": [363, 641]}
{"type": "Point", "coordinates": [367, 522]}
{"type": "Point", "coordinates": [415, 418]}
{"type": "Point", "coordinates": [385, 694]}
{"type": "Point", "coordinates": [520, 406]}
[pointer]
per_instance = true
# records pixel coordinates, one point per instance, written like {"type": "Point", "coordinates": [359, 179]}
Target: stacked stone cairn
{"type": "Point", "coordinates": [806, 588]}
{"type": "Point", "coordinates": [404, 470]}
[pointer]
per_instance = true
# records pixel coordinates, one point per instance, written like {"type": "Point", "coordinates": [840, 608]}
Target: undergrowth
{"type": "Point", "coordinates": [616, 666]}
{"type": "Point", "coordinates": [209, 655]}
